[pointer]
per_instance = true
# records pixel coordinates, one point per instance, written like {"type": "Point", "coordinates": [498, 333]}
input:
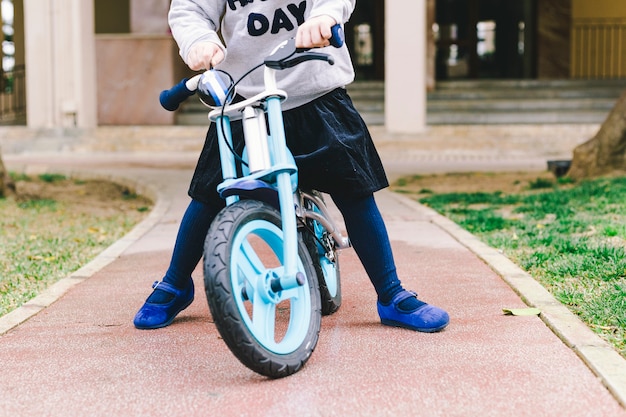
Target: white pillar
{"type": "Point", "coordinates": [405, 66]}
{"type": "Point", "coordinates": [60, 63]}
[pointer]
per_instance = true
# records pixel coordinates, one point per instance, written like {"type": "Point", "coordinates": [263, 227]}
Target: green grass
{"type": "Point", "coordinates": [45, 239]}
{"type": "Point", "coordinates": [571, 237]}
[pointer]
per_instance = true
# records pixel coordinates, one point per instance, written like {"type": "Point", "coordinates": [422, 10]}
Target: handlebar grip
{"type": "Point", "coordinates": [172, 98]}
{"type": "Point", "coordinates": [337, 38]}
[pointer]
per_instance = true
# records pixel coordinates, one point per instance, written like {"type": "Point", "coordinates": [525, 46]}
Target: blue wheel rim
{"type": "Point", "coordinates": [248, 273]}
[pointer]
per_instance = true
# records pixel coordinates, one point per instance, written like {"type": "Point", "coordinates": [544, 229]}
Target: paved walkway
{"type": "Point", "coordinates": [74, 352]}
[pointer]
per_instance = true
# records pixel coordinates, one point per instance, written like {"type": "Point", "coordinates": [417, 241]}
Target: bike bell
{"type": "Point", "coordinates": [213, 88]}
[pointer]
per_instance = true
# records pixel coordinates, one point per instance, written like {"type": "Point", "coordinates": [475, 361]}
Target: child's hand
{"type": "Point", "coordinates": [204, 55]}
{"type": "Point", "coordinates": [315, 32]}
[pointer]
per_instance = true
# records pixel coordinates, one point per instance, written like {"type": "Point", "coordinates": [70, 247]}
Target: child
{"type": "Point", "coordinates": [330, 142]}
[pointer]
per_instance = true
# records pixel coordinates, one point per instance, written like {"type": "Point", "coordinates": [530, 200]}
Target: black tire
{"type": "Point", "coordinates": [227, 296]}
{"type": "Point", "coordinates": [318, 246]}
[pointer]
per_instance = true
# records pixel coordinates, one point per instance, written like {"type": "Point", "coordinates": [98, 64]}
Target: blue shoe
{"type": "Point", "coordinates": [425, 318]}
{"type": "Point", "coordinates": [154, 316]}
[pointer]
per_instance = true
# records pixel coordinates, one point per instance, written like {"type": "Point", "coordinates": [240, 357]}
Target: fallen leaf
{"type": "Point", "coordinates": [521, 311]}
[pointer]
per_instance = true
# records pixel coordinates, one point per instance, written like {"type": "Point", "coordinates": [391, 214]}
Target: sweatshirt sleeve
{"type": "Point", "coordinates": [340, 10]}
{"type": "Point", "coordinates": [194, 21]}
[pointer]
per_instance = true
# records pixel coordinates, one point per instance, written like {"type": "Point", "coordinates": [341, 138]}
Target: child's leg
{"type": "Point", "coordinates": [188, 247]}
{"type": "Point", "coordinates": [369, 238]}
{"type": "Point", "coordinates": [176, 292]}
{"type": "Point", "coordinates": [370, 241]}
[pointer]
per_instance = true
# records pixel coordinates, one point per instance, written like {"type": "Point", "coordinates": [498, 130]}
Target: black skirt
{"type": "Point", "coordinates": [329, 140]}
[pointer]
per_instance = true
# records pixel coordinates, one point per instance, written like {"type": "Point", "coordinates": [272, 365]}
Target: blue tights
{"type": "Point", "coordinates": [188, 248]}
{"type": "Point", "coordinates": [369, 238]}
{"type": "Point", "coordinates": [364, 224]}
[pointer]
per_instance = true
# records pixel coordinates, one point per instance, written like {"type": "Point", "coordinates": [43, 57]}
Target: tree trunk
{"type": "Point", "coordinates": [6, 185]}
{"type": "Point", "coordinates": [605, 153]}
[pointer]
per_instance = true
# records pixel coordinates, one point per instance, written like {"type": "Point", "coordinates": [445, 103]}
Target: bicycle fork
{"type": "Point", "coordinates": [291, 278]}
{"type": "Point", "coordinates": [275, 164]}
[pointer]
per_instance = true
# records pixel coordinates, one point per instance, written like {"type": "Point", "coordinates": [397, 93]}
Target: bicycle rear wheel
{"type": "Point", "coordinates": [272, 333]}
{"type": "Point", "coordinates": [325, 256]}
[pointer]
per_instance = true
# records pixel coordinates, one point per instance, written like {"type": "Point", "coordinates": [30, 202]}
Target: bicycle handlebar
{"type": "Point", "coordinates": [337, 37]}
{"type": "Point", "coordinates": [171, 99]}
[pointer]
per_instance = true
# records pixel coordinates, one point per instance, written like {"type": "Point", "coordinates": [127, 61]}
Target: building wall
{"type": "Point", "coordinates": [598, 9]}
{"type": "Point", "coordinates": [112, 16]}
{"type": "Point", "coordinates": [60, 58]}
{"type": "Point", "coordinates": [598, 48]}
{"type": "Point", "coordinates": [131, 71]}
{"type": "Point", "coordinates": [18, 34]}
{"type": "Point", "coordinates": [553, 38]}
{"type": "Point", "coordinates": [136, 58]}
{"type": "Point", "coordinates": [149, 16]}
{"type": "Point", "coordinates": [430, 44]}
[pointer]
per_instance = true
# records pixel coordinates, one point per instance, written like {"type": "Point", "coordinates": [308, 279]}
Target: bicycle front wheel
{"type": "Point", "coordinates": [272, 333]}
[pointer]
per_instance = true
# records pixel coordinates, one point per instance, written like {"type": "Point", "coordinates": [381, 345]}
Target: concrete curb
{"type": "Point", "coordinates": [603, 360]}
{"type": "Point", "coordinates": [110, 254]}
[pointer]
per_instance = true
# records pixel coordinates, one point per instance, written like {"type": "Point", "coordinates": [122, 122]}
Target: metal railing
{"type": "Point", "coordinates": [13, 96]}
{"type": "Point", "coordinates": [598, 48]}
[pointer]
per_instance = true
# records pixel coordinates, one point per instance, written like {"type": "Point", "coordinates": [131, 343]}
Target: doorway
{"type": "Point", "coordinates": [485, 39]}
{"type": "Point", "coordinates": [365, 33]}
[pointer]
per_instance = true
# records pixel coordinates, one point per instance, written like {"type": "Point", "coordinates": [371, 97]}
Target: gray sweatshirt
{"type": "Point", "coordinates": [251, 29]}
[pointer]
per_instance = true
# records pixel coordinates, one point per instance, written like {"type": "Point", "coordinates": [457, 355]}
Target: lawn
{"type": "Point", "coordinates": [571, 237]}
{"type": "Point", "coordinates": [53, 226]}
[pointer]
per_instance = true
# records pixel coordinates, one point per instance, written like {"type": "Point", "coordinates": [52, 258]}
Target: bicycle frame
{"type": "Point", "coordinates": [272, 171]}
{"type": "Point", "coordinates": [280, 168]}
